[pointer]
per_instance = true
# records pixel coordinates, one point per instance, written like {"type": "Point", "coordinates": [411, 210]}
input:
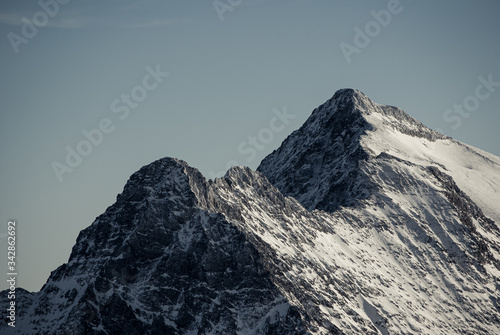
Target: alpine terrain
{"type": "Point", "coordinates": [364, 221]}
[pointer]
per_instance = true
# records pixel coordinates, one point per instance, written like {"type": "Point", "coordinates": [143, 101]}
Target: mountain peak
{"type": "Point", "coordinates": [403, 229]}
{"type": "Point", "coordinates": [349, 93]}
{"type": "Point", "coordinates": [353, 101]}
{"type": "Point", "coordinates": [319, 164]}
{"type": "Point", "coordinates": [344, 101]}
{"type": "Point", "coordinates": [160, 174]}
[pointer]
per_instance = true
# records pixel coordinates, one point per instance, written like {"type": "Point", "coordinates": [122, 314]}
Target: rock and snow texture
{"type": "Point", "coordinates": [364, 221]}
{"type": "Point", "coordinates": [156, 263]}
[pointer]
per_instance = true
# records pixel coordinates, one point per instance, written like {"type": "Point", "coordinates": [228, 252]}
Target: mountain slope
{"type": "Point", "coordinates": [364, 221]}
{"type": "Point", "coordinates": [377, 267]}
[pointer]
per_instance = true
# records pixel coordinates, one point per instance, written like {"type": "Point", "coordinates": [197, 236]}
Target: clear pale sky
{"type": "Point", "coordinates": [232, 70]}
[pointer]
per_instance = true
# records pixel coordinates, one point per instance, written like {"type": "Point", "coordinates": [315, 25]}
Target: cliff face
{"type": "Point", "coordinates": [363, 221]}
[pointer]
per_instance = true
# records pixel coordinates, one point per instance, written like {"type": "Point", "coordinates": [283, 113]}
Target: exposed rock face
{"type": "Point", "coordinates": [155, 263]}
{"type": "Point", "coordinates": [364, 221]}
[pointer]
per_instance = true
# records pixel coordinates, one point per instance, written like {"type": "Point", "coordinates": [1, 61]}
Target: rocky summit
{"type": "Point", "coordinates": [364, 221]}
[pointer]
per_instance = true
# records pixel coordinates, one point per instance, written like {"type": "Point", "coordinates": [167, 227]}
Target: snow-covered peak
{"type": "Point", "coordinates": [346, 96]}
{"type": "Point", "coordinates": [319, 164]}
{"type": "Point", "coordinates": [364, 221]}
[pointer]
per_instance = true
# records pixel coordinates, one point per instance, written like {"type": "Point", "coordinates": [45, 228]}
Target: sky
{"type": "Point", "coordinates": [93, 90]}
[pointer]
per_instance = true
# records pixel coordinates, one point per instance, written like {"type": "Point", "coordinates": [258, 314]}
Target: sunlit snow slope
{"type": "Point", "coordinates": [414, 209]}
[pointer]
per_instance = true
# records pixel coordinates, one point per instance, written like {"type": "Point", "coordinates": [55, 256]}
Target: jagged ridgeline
{"type": "Point", "coordinates": [364, 221]}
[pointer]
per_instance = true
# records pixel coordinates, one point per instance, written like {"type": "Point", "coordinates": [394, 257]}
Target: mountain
{"type": "Point", "coordinates": [364, 221]}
